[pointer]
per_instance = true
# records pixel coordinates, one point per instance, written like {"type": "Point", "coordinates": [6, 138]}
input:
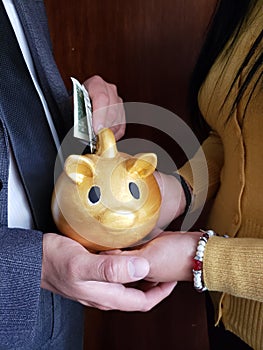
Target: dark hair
{"type": "Point", "coordinates": [226, 22]}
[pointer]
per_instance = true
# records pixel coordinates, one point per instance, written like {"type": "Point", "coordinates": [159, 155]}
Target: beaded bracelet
{"type": "Point", "coordinates": [198, 260]}
{"type": "Point", "coordinates": [186, 189]}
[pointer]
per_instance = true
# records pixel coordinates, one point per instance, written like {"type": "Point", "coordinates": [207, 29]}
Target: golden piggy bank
{"type": "Point", "coordinates": [109, 199]}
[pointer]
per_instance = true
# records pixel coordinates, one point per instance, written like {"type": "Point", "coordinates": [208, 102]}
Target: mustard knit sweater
{"type": "Point", "coordinates": [234, 154]}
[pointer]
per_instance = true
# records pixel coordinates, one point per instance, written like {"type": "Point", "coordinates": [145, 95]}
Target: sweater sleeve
{"type": "Point", "coordinates": [202, 172]}
{"type": "Point", "coordinates": [234, 266]}
{"type": "Point", "coordinates": [20, 275]}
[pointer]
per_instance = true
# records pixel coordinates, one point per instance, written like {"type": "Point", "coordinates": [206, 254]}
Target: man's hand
{"type": "Point", "coordinates": [108, 111]}
{"type": "Point", "coordinates": [97, 280]}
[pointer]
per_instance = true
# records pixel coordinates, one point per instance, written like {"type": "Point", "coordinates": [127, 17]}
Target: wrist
{"type": "Point", "coordinates": [51, 247]}
{"type": "Point", "coordinates": [190, 251]}
{"type": "Point", "coordinates": [45, 249]}
{"type": "Point", "coordinates": [173, 201]}
{"type": "Point", "coordinates": [186, 194]}
{"type": "Point", "coordinates": [198, 279]}
{"type": "Point", "coordinates": [183, 266]}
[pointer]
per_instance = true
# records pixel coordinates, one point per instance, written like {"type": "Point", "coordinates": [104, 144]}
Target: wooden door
{"type": "Point", "coordinates": [148, 49]}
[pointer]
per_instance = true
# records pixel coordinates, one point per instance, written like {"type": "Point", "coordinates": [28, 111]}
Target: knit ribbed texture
{"type": "Point", "coordinates": [244, 318]}
{"type": "Point", "coordinates": [202, 171]}
{"type": "Point", "coordinates": [233, 266]}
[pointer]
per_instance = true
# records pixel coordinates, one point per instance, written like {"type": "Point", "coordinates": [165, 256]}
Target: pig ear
{"type": "Point", "coordinates": [142, 164]}
{"type": "Point", "coordinates": [78, 167]}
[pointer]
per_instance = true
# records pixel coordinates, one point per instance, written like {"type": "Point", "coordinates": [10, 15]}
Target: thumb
{"type": "Point", "coordinates": [118, 269]}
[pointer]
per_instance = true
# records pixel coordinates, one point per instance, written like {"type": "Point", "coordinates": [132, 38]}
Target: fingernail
{"type": "Point", "coordinates": [138, 268]}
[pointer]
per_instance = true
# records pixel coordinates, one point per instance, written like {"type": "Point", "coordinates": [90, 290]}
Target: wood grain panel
{"type": "Point", "coordinates": [147, 48]}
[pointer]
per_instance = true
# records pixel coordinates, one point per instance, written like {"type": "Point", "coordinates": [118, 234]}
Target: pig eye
{"type": "Point", "coordinates": [94, 194]}
{"type": "Point", "coordinates": [134, 189]}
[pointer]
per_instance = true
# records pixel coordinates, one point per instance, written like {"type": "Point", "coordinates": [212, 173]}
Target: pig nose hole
{"type": "Point", "coordinates": [94, 194]}
{"type": "Point", "coordinates": [134, 190]}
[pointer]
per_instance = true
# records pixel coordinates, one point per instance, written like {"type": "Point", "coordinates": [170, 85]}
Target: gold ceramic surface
{"type": "Point", "coordinates": [109, 199]}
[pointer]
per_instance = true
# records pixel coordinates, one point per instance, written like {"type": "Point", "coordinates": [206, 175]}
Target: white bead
{"type": "Point", "coordinates": [210, 233]}
{"type": "Point", "coordinates": [202, 243]}
{"type": "Point", "coordinates": [197, 280]}
{"type": "Point", "coordinates": [201, 248]}
{"type": "Point", "coordinates": [200, 254]}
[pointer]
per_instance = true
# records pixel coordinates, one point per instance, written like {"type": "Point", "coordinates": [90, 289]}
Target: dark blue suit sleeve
{"type": "Point", "coordinates": [20, 275]}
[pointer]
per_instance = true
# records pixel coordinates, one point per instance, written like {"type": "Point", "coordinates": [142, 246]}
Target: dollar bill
{"type": "Point", "coordinates": [83, 128]}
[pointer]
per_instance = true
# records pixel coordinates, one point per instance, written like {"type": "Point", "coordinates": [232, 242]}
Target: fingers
{"type": "Point", "coordinates": [114, 269]}
{"type": "Point", "coordinates": [98, 280]}
{"type": "Point", "coordinates": [108, 110]}
{"type": "Point", "coordinates": [118, 297]}
{"type": "Point", "coordinates": [102, 284]}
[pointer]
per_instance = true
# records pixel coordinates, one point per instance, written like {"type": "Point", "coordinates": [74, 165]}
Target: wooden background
{"type": "Point", "coordinates": [148, 49]}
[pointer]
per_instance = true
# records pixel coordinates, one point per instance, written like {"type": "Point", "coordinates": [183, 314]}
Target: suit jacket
{"type": "Point", "coordinates": [26, 312]}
